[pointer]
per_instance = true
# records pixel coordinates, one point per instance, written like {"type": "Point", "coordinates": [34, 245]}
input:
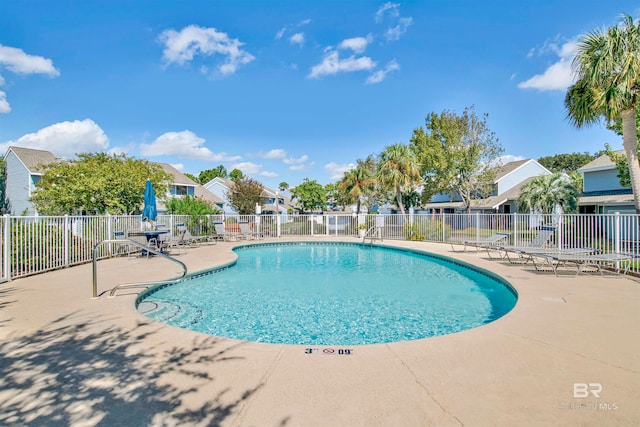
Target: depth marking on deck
{"type": "Point", "coordinates": [329, 351]}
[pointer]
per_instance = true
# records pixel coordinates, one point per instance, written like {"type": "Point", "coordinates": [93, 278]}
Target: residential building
{"type": "Point", "coordinates": [507, 186]}
{"type": "Point", "coordinates": [183, 186]}
{"type": "Point", "coordinates": [25, 166]}
{"type": "Point", "coordinates": [23, 169]}
{"type": "Point", "coordinates": [602, 191]}
{"type": "Point", "coordinates": [220, 187]}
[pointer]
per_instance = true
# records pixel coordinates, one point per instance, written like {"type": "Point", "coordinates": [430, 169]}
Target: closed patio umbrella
{"type": "Point", "coordinates": [150, 212]}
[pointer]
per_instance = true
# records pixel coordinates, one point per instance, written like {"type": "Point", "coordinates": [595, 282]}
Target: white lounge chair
{"type": "Point", "coordinates": [617, 262]}
{"type": "Point", "coordinates": [540, 241]}
{"type": "Point", "coordinates": [245, 231]}
{"type": "Point", "coordinates": [221, 231]}
{"type": "Point", "coordinates": [480, 243]}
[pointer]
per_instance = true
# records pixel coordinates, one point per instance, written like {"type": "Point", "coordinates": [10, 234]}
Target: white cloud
{"type": "Point", "coordinates": [293, 161]}
{"type": "Point", "coordinates": [185, 144]}
{"type": "Point", "coordinates": [297, 38]}
{"type": "Point", "coordinates": [17, 61]}
{"type": "Point", "coordinates": [182, 46]}
{"type": "Point", "coordinates": [282, 31]}
{"type": "Point", "coordinates": [390, 12]}
{"type": "Point", "coordinates": [357, 44]}
{"type": "Point", "coordinates": [388, 9]}
{"type": "Point", "coordinates": [380, 75]}
{"type": "Point", "coordinates": [301, 167]}
{"type": "Point", "coordinates": [178, 166]}
{"type": "Point", "coordinates": [4, 104]}
{"type": "Point", "coordinates": [247, 168]}
{"type": "Point", "coordinates": [394, 33]}
{"type": "Point", "coordinates": [559, 75]}
{"type": "Point", "coordinates": [276, 153]}
{"type": "Point", "coordinates": [336, 171]}
{"type": "Point", "coordinates": [65, 139]}
{"type": "Point", "coordinates": [267, 174]}
{"type": "Point", "coordinates": [333, 64]}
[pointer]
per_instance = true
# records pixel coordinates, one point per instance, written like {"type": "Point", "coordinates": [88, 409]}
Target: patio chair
{"type": "Point", "coordinates": [141, 238]}
{"type": "Point", "coordinates": [539, 241]}
{"type": "Point", "coordinates": [617, 262]}
{"type": "Point", "coordinates": [190, 239]}
{"type": "Point", "coordinates": [169, 242]}
{"type": "Point", "coordinates": [479, 243]}
{"type": "Point", "coordinates": [121, 248]}
{"type": "Point", "coordinates": [245, 231]}
{"type": "Point", "coordinates": [221, 231]}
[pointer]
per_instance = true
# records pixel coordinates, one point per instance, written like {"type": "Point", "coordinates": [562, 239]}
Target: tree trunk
{"type": "Point", "coordinates": [630, 144]}
{"type": "Point", "coordinates": [399, 200]}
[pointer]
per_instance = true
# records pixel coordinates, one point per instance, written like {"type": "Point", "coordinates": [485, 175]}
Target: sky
{"type": "Point", "coordinates": [288, 90]}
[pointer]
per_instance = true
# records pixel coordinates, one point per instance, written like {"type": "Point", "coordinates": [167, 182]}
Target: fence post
{"type": "Point", "coordinates": [444, 232]}
{"type": "Point", "coordinates": [277, 224]}
{"type": "Point", "coordinates": [478, 226]}
{"type": "Point", "coordinates": [617, 233]}
{"type": "Point", "coordinates": [514, 227]}
{"type": "Point", "coordinates": [560, 230]}
{"type": "Point", "coordinates": [7, 246]}
{"type": "Point", "coordinates": [66, 240]}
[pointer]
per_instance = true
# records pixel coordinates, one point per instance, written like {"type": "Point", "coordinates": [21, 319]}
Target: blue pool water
{"type": "Point", "coordinates": [332, 294]}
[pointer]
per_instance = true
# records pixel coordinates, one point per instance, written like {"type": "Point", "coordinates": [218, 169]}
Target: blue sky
{"type": "Point", "coordinates": [287, 90]}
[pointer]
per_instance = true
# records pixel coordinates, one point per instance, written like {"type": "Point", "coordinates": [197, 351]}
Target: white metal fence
{"type": "Point", "coordinates": [31, 245]}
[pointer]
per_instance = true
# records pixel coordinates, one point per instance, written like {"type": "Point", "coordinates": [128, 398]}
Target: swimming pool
{"type": "Point", "coordinates": [332, 294]}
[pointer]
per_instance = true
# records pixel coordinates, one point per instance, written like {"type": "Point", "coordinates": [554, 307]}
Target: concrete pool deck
{"type": "Point", "coordinates": [67, 359]}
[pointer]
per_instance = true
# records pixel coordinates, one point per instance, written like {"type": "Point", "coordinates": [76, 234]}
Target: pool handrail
{"type": "Point", "coordinates": [132, 285]}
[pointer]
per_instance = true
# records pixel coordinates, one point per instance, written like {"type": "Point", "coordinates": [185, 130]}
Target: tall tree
{"type": "Point", "coordinates": [209, 174]}
{"type": "Point", "coordinates": [244, 194]}
{"type": "Point", "coordinates": [457, 154]}
{"type": "Point", "coordinates": [568, 162]}
{"type": "Point", "coordinates": [355, 184]}
{"type": "Point", "coordinates": [398, 170]}
{"type": "Point", "coordinates": [98, 183]}
{"type": "Point", "coordinates": [548, 193]}
{"type": "Point", "coordinates": [283, 186]}
{"type": "Point", "coordinates": [607, 67]}
{"type": "Point", "coordinates": [236, 174]}
{"type": "Point", "coordinates": [310, 194]}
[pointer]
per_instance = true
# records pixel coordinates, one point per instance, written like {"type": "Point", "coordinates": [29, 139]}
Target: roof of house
{"type": "Point", "coordinates": [267, 192]}
{"type": "Point", "coordinates": [34, 160]}
{"type": "Point", "coordinates": [181, 179]}
{"type": "Point", "coordinates": [601, 163]}
{"type": "Point", "coordinates": [491, 202]}
{"type": "Point", "coordinates": [507, 168]}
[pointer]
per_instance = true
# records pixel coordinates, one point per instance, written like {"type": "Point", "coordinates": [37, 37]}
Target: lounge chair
{"type": "Point", "coordinates": [480, 243]}
{"type": "Point", "coordinates": [539, 241]}
{"type": "Point", "coordinates": [169, 242]}
{"type": "Point", "coordinates": [245, 231]}
{"type": "Point", "coordinates": [121, 248]}
{"type": "Point", "coordinates": [190, 239]}
{"type": "Point", "coordinates": [618, 262]}
{"type": "Point", "coordinates": [221, 231]}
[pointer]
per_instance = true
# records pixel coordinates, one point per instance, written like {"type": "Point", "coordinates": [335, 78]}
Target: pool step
{"type": "Point", "coordinates": [178, 314]}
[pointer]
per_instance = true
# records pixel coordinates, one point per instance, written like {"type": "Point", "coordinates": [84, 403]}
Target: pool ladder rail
{"type": "Point", "coordinates": [373, 233]}
{"type": "Point", "coordinates": [133, 285]}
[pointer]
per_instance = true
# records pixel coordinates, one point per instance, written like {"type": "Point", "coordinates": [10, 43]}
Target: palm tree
{"type": "Point", "coordinates": [356, 183]}
{"type": "Point", "coordinates": [607, 66]}
{"type": "Point", "coordinates": [546, 193]}
{"type": "Point", "coordinates": [398, 168]}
